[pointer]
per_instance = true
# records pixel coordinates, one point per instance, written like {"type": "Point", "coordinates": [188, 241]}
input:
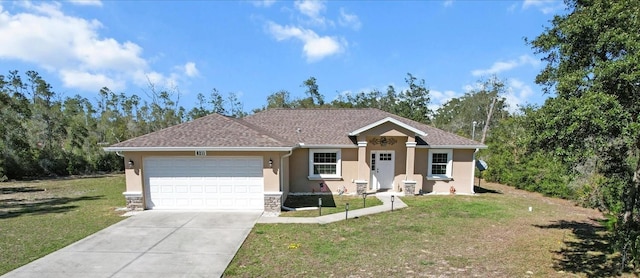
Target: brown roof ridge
{"type": "Point", "coordinates": [322, 108]}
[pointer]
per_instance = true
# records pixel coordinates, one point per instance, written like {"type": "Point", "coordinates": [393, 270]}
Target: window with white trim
{"type": "Point", "coordinates": [440, 163]}
{"type": "Point", "coordinates": [324, 164]}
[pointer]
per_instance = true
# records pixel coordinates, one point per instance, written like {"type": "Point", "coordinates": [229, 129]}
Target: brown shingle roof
{"type": "Point", "coordinates": [332, 126]}
{"type": "Point", "coordinates": [210, 131]}
{"type": "Point", "coordinates": [283, 128]}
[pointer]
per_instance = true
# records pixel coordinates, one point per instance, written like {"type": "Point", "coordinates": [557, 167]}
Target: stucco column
{"type": "Point", "coordinates": [411, 158]}
{"type": "Point", "coordinates": [363, 170]}
{"type": "Point", "coordinates": [408, 183]}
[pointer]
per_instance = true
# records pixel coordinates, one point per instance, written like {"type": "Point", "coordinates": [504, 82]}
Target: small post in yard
{"type": "Point", "coordinates": [392, 199]}
{"type": "Point", "coordinates": [319, 206]}
{"type": "Point", "coordinates": [364, 200]}
{"type": "Point", "coordinates": [346, 212]}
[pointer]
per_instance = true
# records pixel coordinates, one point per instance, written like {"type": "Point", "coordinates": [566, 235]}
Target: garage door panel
{"type": "Point", "coordinates": [197, 202]}
{"type": "Point", "coordinates": [240, 189]}
{"type": "Point", "coordinates": [183, 202]}
{"type": "Point", "coordinates": [227, 202]}
{"type": "Point", "coordinates": [224, 188]}
{"type": "Point", "coordinates": [182, 188]}
{"type": "Point", "coordinates": [229, 183]}
{"type": "Point", "coordinates": [256, 189]}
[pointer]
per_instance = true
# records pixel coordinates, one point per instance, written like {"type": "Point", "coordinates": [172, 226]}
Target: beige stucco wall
{"type": "Point", "coordinates": [285, 178]}
{"type": "Point", "coordinates": [135, 176]}
{"type": "Point", "coordinates": [462, 172]}
{"type": "Point", "coordinates": [296, 167]}
{"type": "Point", "coordinates": [299, 172]}
{"type": "Point", "coordinates": [299, 167]}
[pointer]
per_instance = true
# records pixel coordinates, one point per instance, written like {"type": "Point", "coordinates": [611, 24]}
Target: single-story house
{"type": "Point", "coordinates": [254, 163]}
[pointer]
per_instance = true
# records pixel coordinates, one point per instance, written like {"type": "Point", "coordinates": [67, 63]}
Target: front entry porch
{"type": "Point", "coordinates": [386, 167]}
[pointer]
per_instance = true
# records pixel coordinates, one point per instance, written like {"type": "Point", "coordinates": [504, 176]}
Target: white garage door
{"type": "Point", "coordinates": [216, 183]}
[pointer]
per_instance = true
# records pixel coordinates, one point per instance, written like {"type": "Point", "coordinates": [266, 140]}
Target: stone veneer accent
{"type": "Point", "coordinates": [361, 187]}
{"type": "Point", "coordinates": [409, 187]}
{"type": "Point", "coordinates": [273, 202]}
{"type": "Point", "coordinates": [134, 201]}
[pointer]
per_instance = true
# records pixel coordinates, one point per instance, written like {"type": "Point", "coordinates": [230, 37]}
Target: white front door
{"type": "Point", "coordinates": [382, 170]}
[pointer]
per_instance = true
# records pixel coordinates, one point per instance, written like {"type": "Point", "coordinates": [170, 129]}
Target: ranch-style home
{"type": "Point", "coordinates": [254, 163]}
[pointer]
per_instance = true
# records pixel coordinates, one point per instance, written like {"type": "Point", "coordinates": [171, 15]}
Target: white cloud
{"type": "Point", "coordinates": [88, 81]}
{"type": "Point", "coordinates": [312, 9]}
{"type": "Point", "coordinates": [97, 3]}
{"type": "Point", "coordinates": [517, 94]}
{"type": "Point", "coordinates": [72, 48]}
{"type": "Point", "coordinates": [263, 3]}
{"type": "Point", "coordinates": [439, 98]}
{"type": "Point", "coordinates": [315, 47]}
{"type": "Point", "coordinates": [545, 6]}
{"type": "Point", "coordinates": [500, 66]}
{"type": "Point", "coordinates": [349, 20]}
{"type": "Point", "coordinates": [448, 3]}
{"type": "Point", "coordinates": [190, 69]}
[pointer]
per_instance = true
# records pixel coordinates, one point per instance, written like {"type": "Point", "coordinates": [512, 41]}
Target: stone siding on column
{"type": "Point", "coordinates": [361, 187]}
{"type": "Point", "coordinates": [409, 188]}
{"type": "Point", "coordinates": [134, 202]}
{"type": "Point", "coordinates": [272, 203]}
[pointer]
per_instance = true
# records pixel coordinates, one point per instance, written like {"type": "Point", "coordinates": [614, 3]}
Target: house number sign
{"type": "Point", "coordinates": [383, 141]}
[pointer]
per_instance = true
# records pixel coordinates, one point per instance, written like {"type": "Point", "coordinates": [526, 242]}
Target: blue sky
{"type": "Point", "coordinates": [255, 48]}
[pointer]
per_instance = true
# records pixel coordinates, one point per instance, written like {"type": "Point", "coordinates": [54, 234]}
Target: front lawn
{"type": "Point", "coordinates": [330, 204]}
{"type": "Point", "coordinates": [490, 235]}
{"type": "Point", "coordinates": [39, 217]}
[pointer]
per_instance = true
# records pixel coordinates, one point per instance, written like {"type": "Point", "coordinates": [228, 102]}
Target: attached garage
{"type": "Point", "coordinates": [204, 183]}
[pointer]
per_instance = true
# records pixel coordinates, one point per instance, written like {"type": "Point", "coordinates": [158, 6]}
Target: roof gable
{"type": "Point", "coordinates": [387, 120]}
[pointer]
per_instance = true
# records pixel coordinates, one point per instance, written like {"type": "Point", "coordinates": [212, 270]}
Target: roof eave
{"type": "Point", "coordinates": [452, 146]}
{"type": "Point", "coordinates": [174, 149]}
{"type": "Point", "coordinates": [327, 146]}
{"type": "Point", "coordinates": [385, 120]}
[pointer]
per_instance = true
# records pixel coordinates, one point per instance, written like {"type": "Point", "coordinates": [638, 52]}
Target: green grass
{"type": "Point", "coordinates": [39, 217]}
{"type": "Point", "coordinates": [490, 235]}
{"type": "Point", "coordinates": [330, 204]}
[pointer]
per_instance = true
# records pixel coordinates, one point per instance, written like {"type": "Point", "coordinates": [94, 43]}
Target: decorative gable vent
{"type": "Point", "coordinates": [201, 153]}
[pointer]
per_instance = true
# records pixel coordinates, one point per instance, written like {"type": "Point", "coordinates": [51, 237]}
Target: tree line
{"type": "Point", "coordinates": [583, 143]}
{"type": "Point", "coordinates": [46, 134]}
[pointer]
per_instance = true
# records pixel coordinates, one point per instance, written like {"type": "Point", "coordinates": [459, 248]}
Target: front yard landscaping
{"type": "Point", "coordinates": [492, 234]}
{"type": "Point", "coordinates": [330, 204]}
{"type": "Point", "coordinates": [39, 217]}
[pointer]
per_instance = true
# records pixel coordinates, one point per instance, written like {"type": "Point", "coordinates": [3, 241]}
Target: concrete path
{"type": "Point", "coordinates": [151, 244]}
{"type": "Point", "coordinates": [386, 206]}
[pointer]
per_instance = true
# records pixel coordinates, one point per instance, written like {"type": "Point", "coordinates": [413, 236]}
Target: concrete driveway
{"type": "Point", "coordinates": [151, 244]}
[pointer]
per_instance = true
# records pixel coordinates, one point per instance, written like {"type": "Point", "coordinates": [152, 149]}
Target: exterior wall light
{"type": "Point", "coordinates": [130, 163]}
{"type": "Point", "coordinates": [270, 163]}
